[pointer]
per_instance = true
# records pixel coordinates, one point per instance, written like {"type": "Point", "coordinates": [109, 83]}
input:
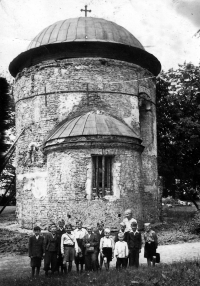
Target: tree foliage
{"type": "Point", "coordinates": [3, 112]}
{"type": "Point", "coordinates": [6, 114]}
{"type": "Point", "coordinates": [6, 132]}
{"type": "Point", "coordinates": [178, 114]}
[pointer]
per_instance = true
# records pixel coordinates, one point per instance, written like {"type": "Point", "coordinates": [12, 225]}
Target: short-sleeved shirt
{"type": "Point", "coordinates": [80, 233]}
{"type": "Point", "coordinates": [128, 223]}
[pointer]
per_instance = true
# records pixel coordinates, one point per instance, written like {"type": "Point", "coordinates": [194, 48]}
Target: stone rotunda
{"type": "Point", "coordinates": [85, 94]}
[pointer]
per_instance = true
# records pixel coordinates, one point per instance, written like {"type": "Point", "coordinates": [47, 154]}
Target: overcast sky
{"type": "Point", "coordinates": [165, 28]}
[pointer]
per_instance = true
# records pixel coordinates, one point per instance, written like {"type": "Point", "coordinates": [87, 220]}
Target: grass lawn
{"type": "Point", "coordinates": [176, 274]}
{"type": "Point", "coordinates": [175, 227]}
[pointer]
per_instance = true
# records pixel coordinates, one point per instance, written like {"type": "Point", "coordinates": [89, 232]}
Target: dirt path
{"type": "Point", "coordinates": [169, 253]}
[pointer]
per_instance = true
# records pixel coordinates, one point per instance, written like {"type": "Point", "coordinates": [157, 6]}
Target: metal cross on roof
{"type": "Point", "coordinates": [82, 10]}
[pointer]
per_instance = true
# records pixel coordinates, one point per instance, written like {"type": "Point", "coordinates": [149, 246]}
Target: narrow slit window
{"type": "Point", "coordinates": [101, 176]}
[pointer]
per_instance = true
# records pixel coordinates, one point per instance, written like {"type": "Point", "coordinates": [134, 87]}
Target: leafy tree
{"type": "Point", "coordinates": [6, 130]}
{"type": "Point", "coordinates": [178, 113]}
{"type": "Point", "coordinates": [6, 115]}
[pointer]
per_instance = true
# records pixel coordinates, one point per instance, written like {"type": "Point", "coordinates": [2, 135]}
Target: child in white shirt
{"type": "Point", "coordinates": [121, 251]}
{"type": "Point", "coordinates": [107, 248]}
{"type": "Point", "coordinates": [68, 247]}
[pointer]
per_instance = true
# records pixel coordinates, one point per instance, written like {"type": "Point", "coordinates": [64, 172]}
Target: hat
{"type": "Point", "coordinates": [120, 234]}
{"type": "Point", "coordinates": [147, 224]}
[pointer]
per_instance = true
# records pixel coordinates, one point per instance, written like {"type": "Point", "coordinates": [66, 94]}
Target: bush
{"type": "Point", "coordinates": [168, 200]}
{"type": "Point", "coordinates": [195, 224]}
{"type": "Point", "coordinates": [4, 200]}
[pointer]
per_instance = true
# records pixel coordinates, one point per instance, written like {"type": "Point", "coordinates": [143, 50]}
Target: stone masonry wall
{"type": "Point", "coordinates": [50, 92]}
{"type": "Point", "coordinates": [70, 185]}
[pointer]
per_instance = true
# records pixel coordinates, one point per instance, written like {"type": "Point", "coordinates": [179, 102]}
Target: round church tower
{"type": "Point", "coordinates": [85, 98]}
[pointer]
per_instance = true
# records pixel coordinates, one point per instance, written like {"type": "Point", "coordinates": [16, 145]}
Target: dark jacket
{"type": "Point", "coordinates": [35, 246]}
{"type": "Point", "coordinates": [51, 243]}
{"type": "Point", "coordinates": [99, 236]}
{"type": "Point", "coordinates": [134, 240]}
{"type": "Point", "coordinates": [59, 234]}
{"type": "Point", "coordinates": [92, 240]}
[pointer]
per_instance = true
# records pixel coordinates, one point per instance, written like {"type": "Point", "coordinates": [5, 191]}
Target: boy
{"type": "Point", "coordinates": [121, 251]}
{"type": "Point", "coordinates": [99, 234]}
{"type": "Point", "coordinates": [107, 247]}
{"type": "Point", "coordinates": [90, 243]}
{"type": "Point", "coordinates": [51, 250]}
{"type": "Point", "coordinates": [121, 230]}
{"type": "Point", "coordinates": [60, 231]}
{"type": "Point", "coordinates": [35, 249]}
{"type": "Point", "coordinates": [134, 240]}
{"type": "Point", "coordinates": [80, 233]}
{"type": "Point", "coordinates": [68, 247]}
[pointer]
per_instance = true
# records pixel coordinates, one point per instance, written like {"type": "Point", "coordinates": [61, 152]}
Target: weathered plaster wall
{"type": "Point", "coordinates": [50, 92]}
{"type": "Point", "coordinates": [148, 133]}
{"type": "Point", "coordinates": [68, 178]}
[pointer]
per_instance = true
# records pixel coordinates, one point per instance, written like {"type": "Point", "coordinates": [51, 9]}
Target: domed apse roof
{"type": "Point", "coordinates": [85, 37]}
{"type": "Point", "coordinates": [84, 29]}
{"type": "Point", "coordinates": [91, 123]}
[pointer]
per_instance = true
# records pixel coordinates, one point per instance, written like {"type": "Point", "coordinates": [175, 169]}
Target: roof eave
{"type": "Point", "coordinates": [83, 50]}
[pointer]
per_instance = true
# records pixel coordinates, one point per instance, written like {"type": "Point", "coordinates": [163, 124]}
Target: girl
{"type": "Point", "coordinates": [151, 243]}
{"type": "Point", "coordinates": [107, 248]}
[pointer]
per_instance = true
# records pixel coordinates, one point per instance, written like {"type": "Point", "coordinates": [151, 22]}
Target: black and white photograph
{"type": "Point", "coordinates": [99, 142]}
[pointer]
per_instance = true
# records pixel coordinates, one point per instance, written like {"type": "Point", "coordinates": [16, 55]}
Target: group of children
{"type": "Point", "coordinates": [62, 245]}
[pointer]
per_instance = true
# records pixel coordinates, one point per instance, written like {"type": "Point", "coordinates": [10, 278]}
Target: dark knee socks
{"type": "Point", "coordinates": [70, 266]}
{"type": "Point", "coordinates": [33, 271]}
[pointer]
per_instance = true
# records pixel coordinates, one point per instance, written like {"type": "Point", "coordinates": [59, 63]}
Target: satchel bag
{"type": "Point", "coordinates": [157, 257]}
{"type": "Point", "coordinates": [90, 249]}
{"type": "Point", "coordinates": [70, 238]}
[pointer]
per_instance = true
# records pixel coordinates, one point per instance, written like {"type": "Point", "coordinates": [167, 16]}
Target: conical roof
{"type": "Point", "coordinates": [92, 123]}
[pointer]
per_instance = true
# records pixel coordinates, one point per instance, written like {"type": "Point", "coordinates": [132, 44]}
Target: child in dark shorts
{"type": "Point", "coordinates": [68, 248]}
{"type": "Point", "coordinates": [35, 249]}
{"type": "Point", "coordinates": [151, 244]}
{"type": "Point", "coordinates": [60, 231]}
{"type": "Point", "coordinates": [107, 248]}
